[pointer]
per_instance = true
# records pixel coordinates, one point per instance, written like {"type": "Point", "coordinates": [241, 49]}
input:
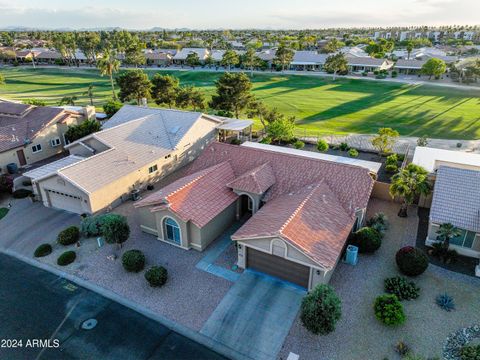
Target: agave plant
{"type": "Point", "coordinates": [445, 301]}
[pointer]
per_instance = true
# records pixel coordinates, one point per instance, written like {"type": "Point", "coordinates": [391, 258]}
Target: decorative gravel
{"type": "Point", "coordinates": [228, 259]}
{"type": "Point", "coordinates": [359, 335]}
{"type": "Point", "coordinates": [458, 339]}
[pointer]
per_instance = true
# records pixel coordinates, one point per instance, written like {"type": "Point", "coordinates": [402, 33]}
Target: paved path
{"type": "Point", "coordinates": [39, 305]}
{"type": "Point", "coordinates": [255, 315]}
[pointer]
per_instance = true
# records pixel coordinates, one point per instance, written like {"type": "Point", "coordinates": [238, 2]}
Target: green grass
{"type": "Point", "coordinates": [319, 104]}
{"type": "Point", "coordinates": [3, 212]}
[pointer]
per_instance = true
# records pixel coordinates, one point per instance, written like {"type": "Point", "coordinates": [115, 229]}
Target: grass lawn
{"type": "Point", "coordinates": [320, 104]}
{"type": "Point", "coordinates": [3, 212]}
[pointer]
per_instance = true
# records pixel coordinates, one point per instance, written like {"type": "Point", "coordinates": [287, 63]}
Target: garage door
{"type": "Point", "coordinates": [278, 267]}
{"type": "Point", "coordinates": [65, 201]}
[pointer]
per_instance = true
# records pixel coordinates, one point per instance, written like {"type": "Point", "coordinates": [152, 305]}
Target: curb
{"type": "Point", "coordinates": [174, 326]}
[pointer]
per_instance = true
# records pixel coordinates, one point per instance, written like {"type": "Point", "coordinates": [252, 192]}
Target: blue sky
{"type": "Point", "coordinates": [205, 14]}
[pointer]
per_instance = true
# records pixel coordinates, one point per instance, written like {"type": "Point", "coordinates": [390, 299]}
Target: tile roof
{"type": "Point", "coordinates": [409, 64]}
{"type": "Point", "coordinates": [21, 123]}
{"type": "Point", "coordinates": [308, 57]}
{"type": "Point", "coordinates": [52, 168]}
{"type": "Point", "coordinates": [456, 198]}
{"type": "Point", "coordinates": [199, 197]}
{"type": "Point", "coordinates": [256, 181]}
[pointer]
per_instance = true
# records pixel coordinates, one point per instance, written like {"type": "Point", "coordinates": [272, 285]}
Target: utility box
{"type": "Point", "coordinates": [351, 256]}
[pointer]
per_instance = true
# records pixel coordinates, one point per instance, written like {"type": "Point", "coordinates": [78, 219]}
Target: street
{"type": "Point", "coordinates": [43, 316]}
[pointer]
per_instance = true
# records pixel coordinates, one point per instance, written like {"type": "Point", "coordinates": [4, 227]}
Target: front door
{"type": "Point", "coordinates": [21, 157]}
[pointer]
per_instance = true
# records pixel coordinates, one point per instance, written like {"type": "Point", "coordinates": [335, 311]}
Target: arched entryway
{"type": "Point", "coordinates": [246, 205]}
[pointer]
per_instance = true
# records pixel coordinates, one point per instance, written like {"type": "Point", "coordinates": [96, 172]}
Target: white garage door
{"type": "Point", "coordinates": [65, 201]}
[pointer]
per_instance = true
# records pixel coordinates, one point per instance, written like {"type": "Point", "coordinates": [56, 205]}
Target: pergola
{"type": "Point", "coordinates": [242, 129]}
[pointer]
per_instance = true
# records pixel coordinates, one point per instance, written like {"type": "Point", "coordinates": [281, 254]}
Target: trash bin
{"type": "Point", "coordinates": [135, 194]}
{"type": "Point", "coordinates": [12, 168]}
{"type": "Point", "coordinates": [352, 255]}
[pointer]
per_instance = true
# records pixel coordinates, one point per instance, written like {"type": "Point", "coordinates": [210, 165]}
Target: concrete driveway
{"type": "Point", "coordinates": [29, 224]}
{"type": "Point", "coordinates": [255, 315]}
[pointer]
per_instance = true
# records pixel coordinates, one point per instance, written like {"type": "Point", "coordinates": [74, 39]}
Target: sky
{"type": "Point", "coordinates": [235, 14]}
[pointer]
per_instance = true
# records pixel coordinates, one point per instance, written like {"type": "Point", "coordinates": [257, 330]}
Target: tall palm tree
{"type": "Point", "coordinates": [447, 232]}
{"type": "Point", "coordinates": [108, 65]}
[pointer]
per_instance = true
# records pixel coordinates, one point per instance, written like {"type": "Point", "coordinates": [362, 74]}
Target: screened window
{"type": "Point", "coordinates": [152, 169]}
{"type": "Point", "coordinates": [172, 231]}
{"type": "Point", "coordinates": [36, 148]}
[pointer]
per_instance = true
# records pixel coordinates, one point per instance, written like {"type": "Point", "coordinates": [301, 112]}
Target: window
{"type": "Point", "coordinates": [152, 169]}
{"type": "Point", "coordinates": [55, 142]}
{"type": "Point", "coordinates": [465, 239]}
{"type": "Point", "coordinates": [249, 203]}
{"type": "Point", "coordinates": [172, 231]}
{"type": "Point", "coordinates": [65, 140]}
{"type": "Point", "coordinates": [36, 148]}
{"type": "Point", "coordinates": [168, 156]}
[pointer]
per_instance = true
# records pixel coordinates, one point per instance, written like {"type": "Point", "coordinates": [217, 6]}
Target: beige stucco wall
{"type": "Point", "coordinates": [218, 225]}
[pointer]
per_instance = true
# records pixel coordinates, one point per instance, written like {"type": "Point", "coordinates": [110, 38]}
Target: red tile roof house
{"type": "Point", "coordinates": [302, 209]}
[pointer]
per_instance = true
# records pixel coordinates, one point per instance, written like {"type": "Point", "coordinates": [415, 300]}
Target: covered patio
{"type": "Point", "coordinates": [235, 129]}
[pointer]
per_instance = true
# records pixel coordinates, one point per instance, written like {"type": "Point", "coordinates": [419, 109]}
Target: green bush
{"type": "Point", "coordinates": [68, 236]}
{"type": "Point", "coordinates": [111, 107]}
{"type": "Point", "coordinates": [391, 168]}
{"type": "Point", "coordinates": [343, 146]}
{"type": "Point", "coordinates": [115, 229]}
{"type": "Point", "coordinates": [266, 140]}
{"type": "Point", "coordinates": [389, 310]}
{"type": "Point", "coordinates": [379, 222]}
{"type": "Point", "coordinates": [470, 352]}
{"type": "Point", "coordinates": [392, 159]}
{"type": "Point", "coordinates": [92, 225]}
{"type": "Point", "coordinates": [66, 258]}
{"type": "Point", "coordinates": [353, 152]}
{"type": "Point", "coordinates": [367, 239]}
{"type": "Point", "coordinates": [322, 145]}
{"type": "Point", "coordinates": [21, 193]}
{"type": "Point", "coordinates": [299, 144]}
{"type": "Point", "coordinates": [402, 288]}
{"type": "Point", "coordinates": [411, 261]}
{"type": "Point", "coordinates": [133, 260]}
{"type": "Point", "coordinates": [156, 276]}
{"type": "Point", "coordinates": [320, 310]}
{"type": "Point", "coordinates": [43, 250]}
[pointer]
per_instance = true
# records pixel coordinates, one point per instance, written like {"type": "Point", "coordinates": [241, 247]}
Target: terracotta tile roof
{"type": "Point", "coordinates": [256, 181]}
{"type": "Point", "coordinates": [198, 197]}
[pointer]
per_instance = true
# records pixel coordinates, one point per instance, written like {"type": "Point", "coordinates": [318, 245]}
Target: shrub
{"type": "Point", "coordinates": [343, 146]}
{"type": "Point", "coordinates": [21, 193]}
{"type": "Point", "coordinates": [133, 260]}
{"type": "Point", "coordinates": [115, 229]}
{"type": "Point", "coordinates": [379, 222]}
{"type": "Point", "coordinates": [111, 107]}
{"type": "Point", "coordinates": [322, 145]}
{"type": "Point", "coordinates": [266, 140]}
{"type": "Point", "coordinates": [92, 225]}
{"type": "Point", "coordinates": [445, 301]}
{"type": "Point", "coordinates": [411, 261]}
{"type": "Point", "coordinates": [66, 258]}
{"type": "Point", "coordinates": [156, 276]}
{"type": "Point", "coordinates": [402, 349]}
{"type": "Point", "coordinates": [299, 144]}
{"type": "Point", "coordinates": [353, 152]}
{"type": "Point", "coordinates": [367, 239]}
{"type": "Point", "coordinates": [391, 168]}
{"type": "Point", "coordinates": [320, 310]}
{"type": "Point", "coordinates": [470, 352]}
{"type": "Point", "coordinates": [402, 288]}
{"type": "Point", "coordinates": [68, 236]}
{"type": "Point", "coordinates": [43, 250]}
{"type": "Point", "coordinates": [389, 310]}
{"type": "Point", "coordinates": [394, 74]}
{"type": "Point", "coordinates": [392, 160]}
{"type": "Point", "coordinates": [236, 141]}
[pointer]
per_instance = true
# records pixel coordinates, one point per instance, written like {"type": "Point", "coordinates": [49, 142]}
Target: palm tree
{"type": "Point", "coordinates": [408, 183]}
{"type": "Point", "coordinates": [89, 93]}
{"type": "Point", "coordinates": [108, 65]}
{"type": "Point", "coordinates": [447, 232]}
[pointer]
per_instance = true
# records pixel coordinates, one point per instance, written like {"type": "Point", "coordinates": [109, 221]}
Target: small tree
{"type": "Point", "coordinates": [165, 89]}
{"type": "Point", "coordinates": [111, 107]}
{"type": "Point", "coordinates": [250, 60]}
{"type": "Point", "coordinates": [422, 140]}
{"type": "Point", "coordinates": [447, 232]}
{"type": "Point", "coordinates": [233, 93]}
{"type": "Point", "coordinates": [192, 59]}
{"type": "Point", "coordinates": [409, 183]}
{"type": "Point", "coordinates": [134, 85]}
{"type": "Point", "coordinates": [115, 229]}
{"type": "Point", "coordinates": [68, 100]}
{"type": "Point", "coordinates": [335, 64]}
{"type": "Point", "coordinates": [333, 45]}
{"type": "Point", "coordinates": [385, 140]}
{"type": "Point", "coordinates": [282, 129]}
{"type": "Point", "coordinates": [109, 65]}
{"type": "Point", "coordinates": [320, 310]}
{"type": "Point", "coordinates": [434, 67]}
{"type": "Point", "coordinates": [229, 59]}
{"type": "Point", "coordinates": [89, 93]}
{"type": "Point", "coordinates": [190, 97]}
{"type": "Point", "coordinates": [283, 57]}
{"type": "Point", "coordinates": [75, 132]}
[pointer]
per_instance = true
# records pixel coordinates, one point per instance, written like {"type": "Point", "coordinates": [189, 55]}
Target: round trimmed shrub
{"type": "Point", "coordinates": [402, 288]}
{"type": "Point", "coordinates": [411, 261]}
{"type": "Point", "coordinates": [43, 250]}
{"type": "Point", "coordinates": [21, 193]}
{"type": "Point", "coordinates": [353, 152]}
{"type": "Point", "coordinates": [299, 144]}
{"type": "Point", "coordinates": [367, 239]}
{"type": "Point", "coordinates": [68, 236]}
{"type": "Point", "coordinates": [133, 260]}
{"type": "Point", "coordinates": [322, 145]}
{"type": "Point", "coordinates": [156, 276]}
{"type": "Point", "coordinates": [389, 310]}
{"type": "Point", "coordinates": [66, 258]}
{"type": "Point", "coordinates": [320, 310]}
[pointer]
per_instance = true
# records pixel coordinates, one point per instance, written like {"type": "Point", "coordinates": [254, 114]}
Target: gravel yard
{"type": "Point", "coordinates": [359, 335]}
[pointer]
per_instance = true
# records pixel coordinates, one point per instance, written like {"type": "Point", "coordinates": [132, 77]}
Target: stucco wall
{"type": "Point", "coordinates": [218, 225]}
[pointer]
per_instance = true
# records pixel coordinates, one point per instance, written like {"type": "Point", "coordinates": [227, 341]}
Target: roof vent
{"type": "Point", "coordinates": [174, 130]}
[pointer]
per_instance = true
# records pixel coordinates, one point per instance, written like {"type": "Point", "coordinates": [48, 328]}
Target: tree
{"type": "Point", "coordinates": [75, 132]}
{"type": "Point", "coordinates": [108, 65]}
{"type": "Point", "coordinates": [320, 310]}
{"type": "Point", "coordinates": [379, 48]}
{"type": "Point", "coordinates": [134, 53]}
{"type": "Point", "coordinates": [89, 44]}
{"type": "Point", "coordinates": [115, 229]}
{"type": "Point", "coordinates": [89, 93]}
{"type": "Point", "coordinates": [385, 140]}
{"type": "Point", "coordinates": [434, 67]}
{"type": "Point", "coordinates": [335, 64]}
{"type": "Point", "coordinates": [409, 183]}
{"type": "Point", "coordinates": [250, 60]}
{"type": "Point", "coordinates": [233, 93]}
{"type": "Point", "coordinates": [165, 89]}
{"type": "Point", "coordinates": [281, 129]}
{"type": "Point", "coordinates": [333, 46]}
{"type": "Point", "coordinates": [68, 100]}
{"type": "Point", "coordinates": [2, 79]}
{"type": "Point", "coordinates": [229, 59]}
{"type": "Point", "coordinates": [35, 102]}
{"type": "Point", "coordinates": [447, 232]}
{"type": "Point", "coordinates": [283, 57]}
{"type": "Point", "coordinates": [134, 85]}
{"type": "Point", "coordinates": [409, 49]}
{"type": "Point", "coordinates": [111, 107]}
{"type": "Point", "coordinates": [190, 97]}
{"type": "Point", "coordinates": [192, 59]}
{"type": "Point", "coordinates": [422, 140]}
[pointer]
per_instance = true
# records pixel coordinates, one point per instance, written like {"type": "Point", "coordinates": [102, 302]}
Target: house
{"type": "Point", "coordinates": [158, 57]}
{"type": "Point", "coordinates": [137, 147]}
{"type": "Point", "coordinates": [456, 200]}
{"type": "Point", "coordinates": [432, 158]}
{"type": "Point", "coordinates": [308, 60]}
{"type": "Point", "coordinates": [409, 67]}
{"type": "Point", "coordinates": [297, 211]}
{"type": "Point", "coordinates": [32, 133]}
{"type": "Point", "coordinates": [367, 64]}
{"type": "Point", "coordinates": [181, 56]}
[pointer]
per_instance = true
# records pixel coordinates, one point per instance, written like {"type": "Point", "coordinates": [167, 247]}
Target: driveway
{"type": "Point", "coordinates": [255, 315]}
{"type": "Point", "coordinates": [27, 225]}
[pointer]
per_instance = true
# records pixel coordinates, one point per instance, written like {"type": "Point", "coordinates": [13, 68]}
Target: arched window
{"type": "Point", "coordinates": [172, 231]}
